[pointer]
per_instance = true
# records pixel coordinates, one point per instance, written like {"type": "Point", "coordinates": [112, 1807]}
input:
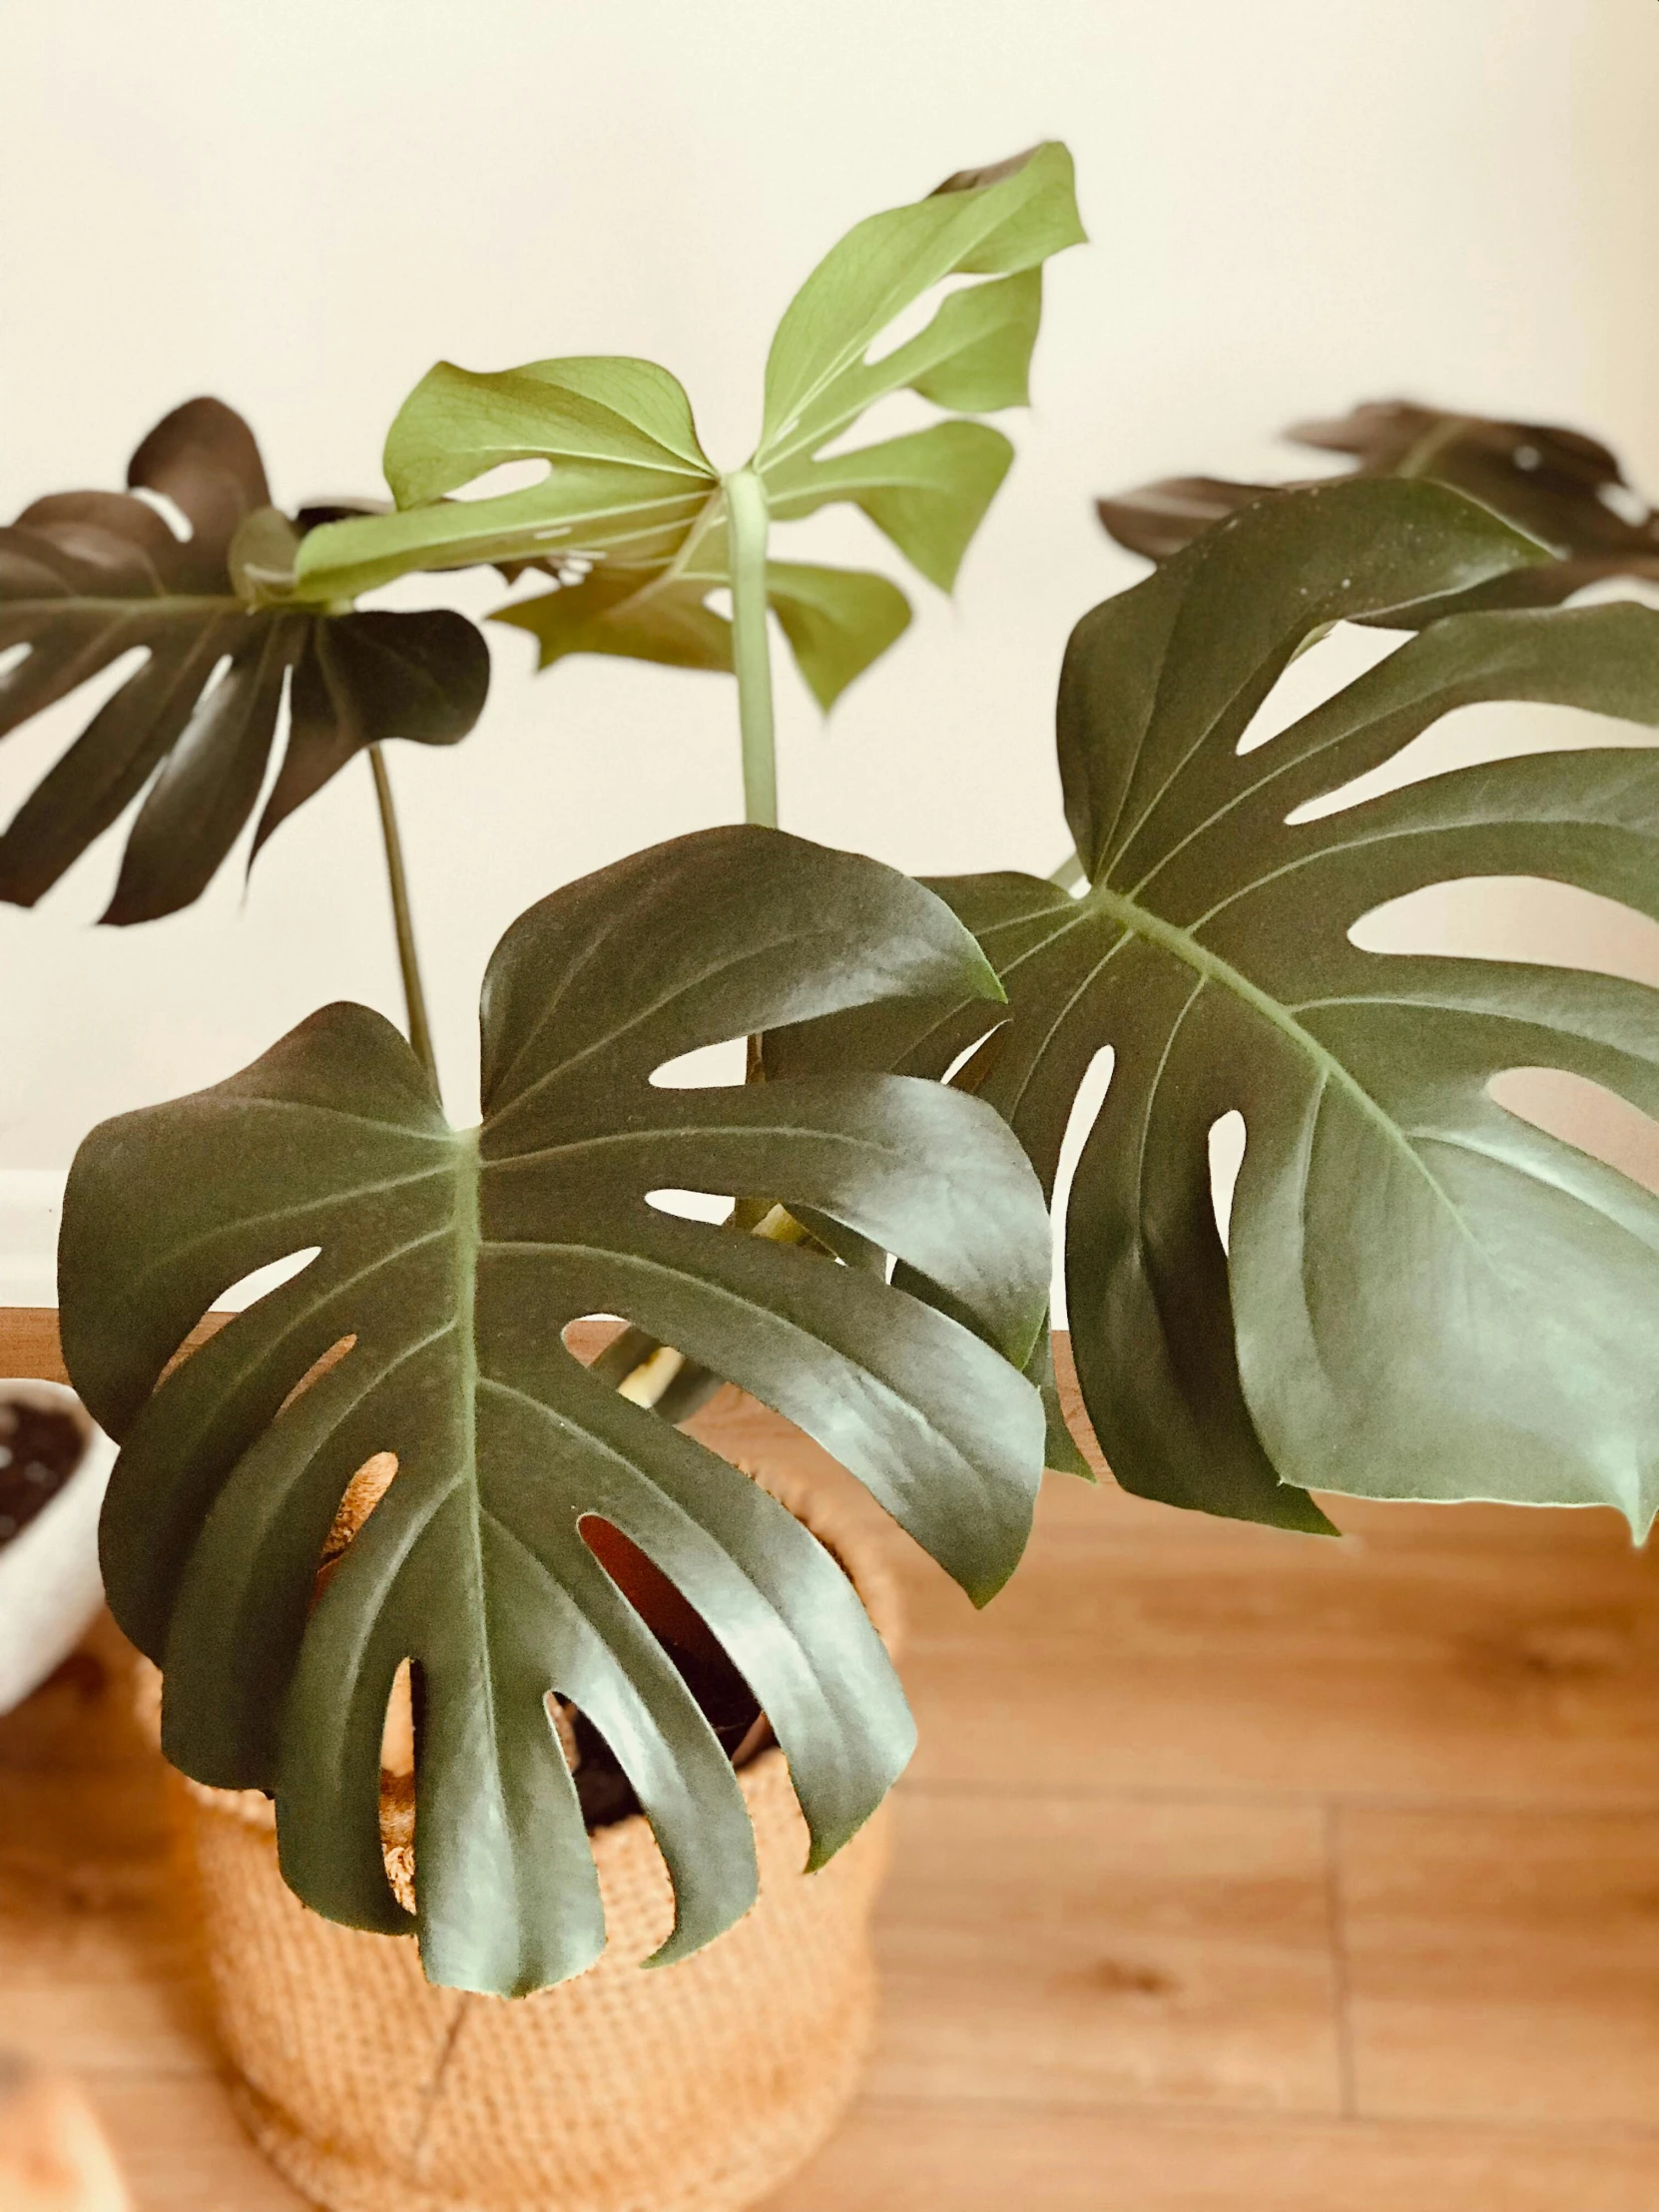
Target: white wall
{"type": "Point", "coordinates": [1294, 203]}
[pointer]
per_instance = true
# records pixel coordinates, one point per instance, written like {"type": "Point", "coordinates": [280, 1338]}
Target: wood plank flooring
{"type": "Point", "coordinates": [1235, 1871]}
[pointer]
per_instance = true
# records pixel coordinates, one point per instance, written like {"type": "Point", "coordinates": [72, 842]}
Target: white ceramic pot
{"type": "Point", "coordinates": [49, 1587]}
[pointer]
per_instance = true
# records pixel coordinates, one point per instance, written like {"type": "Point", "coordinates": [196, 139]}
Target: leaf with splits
{"type": "Point", "coordinates": [87, 578]}
{"type": "Point", "coordinates": [1421, 1295]}
{"type": "Point", "coordinates": [1564, 488]}
{"type": "Point", "coordinates": [631, 516]}
{"type": "Point", "coordinates": [453, 1261]}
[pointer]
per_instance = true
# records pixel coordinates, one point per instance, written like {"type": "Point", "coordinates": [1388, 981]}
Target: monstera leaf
{"type": "Point", "coordinates": [450, 1262]}
{"type": "Point", "coordinates": [87, 577]}
{"type": "Point", "coordinates": [632, 518]}
{"type": "Point", "coordinates": [1423, 1296]}
{"type": "Point", "coordinates": [1561, 486]}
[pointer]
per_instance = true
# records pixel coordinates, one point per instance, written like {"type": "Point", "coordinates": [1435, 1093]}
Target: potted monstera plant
{"type": "Point", "coordinates": [1415, 1292]}
{"type": "Point", "coordinates": [458, 1641]}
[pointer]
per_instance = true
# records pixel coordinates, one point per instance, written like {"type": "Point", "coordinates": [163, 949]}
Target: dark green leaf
{"type": "Point", "coordinates": [1179, 665]}
{"type": "Point", "coordinates": [1566, 490]}
{"type": "Point", "coordinates": [452, 1261]}
{"type": "Point", "coordinates": [1060, 1451]}
{"type": "Point", "coordinates": [1424, 1296]}
{"type": "Point", "coordinates": [638, 614]}
{"type": "Point", "coordinates": [87, 577]}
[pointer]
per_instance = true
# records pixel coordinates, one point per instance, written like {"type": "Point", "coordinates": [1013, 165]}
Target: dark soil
{"type": "Point", "coordinates": [40, 1448]}
{"type": "Point", "coordinates": [729, 1705]}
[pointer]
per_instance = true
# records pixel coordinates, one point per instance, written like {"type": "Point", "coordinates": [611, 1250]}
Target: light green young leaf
{"type": "Point", "coordinates": [994, 221]}
{"type": "Point", "coordinates": [631, 517]}
{"type": "Point", "coordinates": [627, 480]}
{"type": "Point", "coordinates": [637, 614]}
{"type": "Point", "coordinates": [457, 426]}
{"type": "Point", "coordinates": [838, 620]}
{"type": "Point", "coordinates": [927, 492]}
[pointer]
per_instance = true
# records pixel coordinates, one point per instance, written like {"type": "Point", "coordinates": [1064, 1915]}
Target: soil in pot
{"type": "Point", "coordinates": [40, 1448]}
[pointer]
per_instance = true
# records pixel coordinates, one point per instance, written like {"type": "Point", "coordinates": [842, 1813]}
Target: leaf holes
{"type": "Point", "coordinates": [1330, 660]}
{"type": "Point", "coordinates": [399, 1761]}
{"type": "Point", "coordinates": [1085, 1111]}
{"type": "Point", "coordinates": [317, 1369]}
{"type": "Point", "coordinates": [912, 319]}
{"type": "Point", "coordinates": [397, 1735]}
{"type": "Point", "coordinates": [630, 1361]}
{"type": "Point", "coordinates": [250, 1289]}
{"type": "Point", "coordinates": [722, 1694]}
{"type": "Point", "coordinates": [691, 1205]}
{"type": "Point", "coordinates": [219, 674]}
{"type": "Point", "coordinates": [507, 477]}
{"type": "Point", "coordinates": [236, 1300]}
{"type": "Point", "coordinates": [586, 1336]}
{"type": "Point", "coordinates": [1227, 1151]}
{"type": "Point", "coordinates": [357, 1502]}
{"type": "Point", "coordinates": [367, 1487]}
{"type": "Point", "coordinates": [168, 509]}
{"type": "Point", "coordinates": [1516, 917]}
{"type": "Point", "coordinates": [708, 1067]}
{"type": "Point", "coordinates": [1489, 730]}
{"type": "Point", "coordinates": [1585, 1115]}
{"type": "Point", "coordinates": [968, 1050]}
{"type": "Point", "coordinates": [1628, 505]}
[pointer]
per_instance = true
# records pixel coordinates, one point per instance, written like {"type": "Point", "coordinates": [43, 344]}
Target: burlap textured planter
{"type": "Point", "coordinates": [698, 2088]}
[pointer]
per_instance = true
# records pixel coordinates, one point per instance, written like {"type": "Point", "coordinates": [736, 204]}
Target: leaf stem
{"type": "Point", "coordinates": [747, 522]}
{"type": "Point", "coordinates": [1070, 873]}
{"type": "Point", "coordinates": [414, 995]}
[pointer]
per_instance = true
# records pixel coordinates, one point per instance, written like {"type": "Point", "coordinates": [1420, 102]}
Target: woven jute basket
{"type": "Point", "coordinates": [696, 2087]}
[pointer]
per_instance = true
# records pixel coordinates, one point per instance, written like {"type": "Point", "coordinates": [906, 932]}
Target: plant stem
{"type": "Point", "coordinates": [747, 522]}
{"type": "Point", "coordinates": [414, 995]}
{"type": "Point", "coordinates": [649, 1372]}
{"type": "Point", "coordinates": [1069, 874]}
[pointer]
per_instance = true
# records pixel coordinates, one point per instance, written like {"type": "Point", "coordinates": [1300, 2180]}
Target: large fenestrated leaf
{"type": "Point", "coordinates": [453, 1260]}
{"type": "Point", "coordinates": [1426, 1296]}
{"type": "Point", "coordinates": [87, 577]}
{"type": "Point", "coordinates": [630, 518]}
{"type": "Point", "coordinates": [1565, 488]}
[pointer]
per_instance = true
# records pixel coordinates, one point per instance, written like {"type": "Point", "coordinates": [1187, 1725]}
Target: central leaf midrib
{"type": "Point", "coordinates": [1183, 946]}
{"type": "Point", "coordinates": [176, 605]}
{"type": "Point", "coordinates": [468, 1235]}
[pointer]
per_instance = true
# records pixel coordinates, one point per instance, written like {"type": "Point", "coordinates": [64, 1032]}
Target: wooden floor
{"type": "Point", "coordinates": [1235, 1871]}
